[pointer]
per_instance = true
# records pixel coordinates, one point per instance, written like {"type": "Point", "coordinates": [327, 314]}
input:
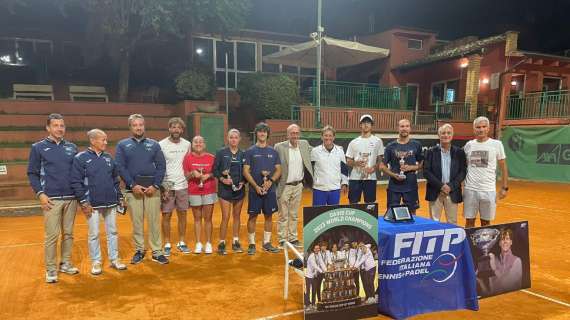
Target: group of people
{"type": "Point", "coordinates": [356, 256]}
{"type": "Point", "coordinates": [175, 174]}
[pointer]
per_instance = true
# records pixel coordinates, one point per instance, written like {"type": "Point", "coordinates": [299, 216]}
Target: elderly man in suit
{"type": "Point", "coordinates": [296, 171]}
{"type": "Point", "coordinates": [444, 168]}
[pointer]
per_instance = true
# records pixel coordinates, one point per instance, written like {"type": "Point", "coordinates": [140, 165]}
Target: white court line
{"type": "Point", "coordinates": [531, 207]}
{"type": "Point", "coordinates": [20, 207]}
{"type": "Point", "coordinates": [547, 298]}
{"type": "Point", "coordinates": [290, 313]}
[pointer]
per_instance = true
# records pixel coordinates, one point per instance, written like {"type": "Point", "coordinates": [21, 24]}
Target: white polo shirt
{"type": "Point", "coordinates": [327, 175]}
{"type": "Point", "coordinates": [295, 165]}
{"type": "Point", "coordinates": [367, 149]}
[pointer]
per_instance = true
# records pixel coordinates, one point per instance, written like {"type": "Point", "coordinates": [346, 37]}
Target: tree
{"type": "Point", "coordinates": [117, 26]}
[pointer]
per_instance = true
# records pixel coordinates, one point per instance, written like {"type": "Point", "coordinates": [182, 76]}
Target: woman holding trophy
{"type": "Point", "coordinates": [198, 166]}
{"type": "Point", "coordinates": [228, 169]}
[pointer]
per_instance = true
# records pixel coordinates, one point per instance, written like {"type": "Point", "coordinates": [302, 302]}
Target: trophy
{"type": "Point", "coordinates": [364, 157]}
{"type": "Point", "coordinates": [167, 186]}
{"type": "Point", "coordinates": [226, 174]}
{"type": "Point", "coordinates": [201, 184]}
{"type": "Point", "coordinates": [265, 175]}
{"type": "Point", "coordinates": [402, 155]}
{"type": "Point", "coordinates": [485, 239]}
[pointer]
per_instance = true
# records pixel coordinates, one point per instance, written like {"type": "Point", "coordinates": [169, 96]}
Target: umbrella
{"type": "Point", "coordinates": [336, 53]}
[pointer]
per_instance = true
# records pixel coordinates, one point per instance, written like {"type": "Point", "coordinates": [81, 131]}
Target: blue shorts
{"type": "Point", "coordinates": [357, 187]}
{"type": "Point", "coordinates": [257, 204]}
{"type": "Point", "coordinates": [408, 198]}
{"type": "Point", "coordinates": [326, 198]}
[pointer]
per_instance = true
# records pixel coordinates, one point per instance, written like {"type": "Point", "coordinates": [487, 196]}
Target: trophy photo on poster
{"type": "Point", "coordinates": [485, 239]}
{"type": "Point", "coordinates": [402, 155]}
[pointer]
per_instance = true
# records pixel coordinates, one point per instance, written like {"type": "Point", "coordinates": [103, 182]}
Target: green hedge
{"type": "Point", "coordinates": [271, 96]}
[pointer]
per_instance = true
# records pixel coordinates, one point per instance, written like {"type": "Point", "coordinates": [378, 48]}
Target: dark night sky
{"type": "Point", "coordinates": [543, 25]}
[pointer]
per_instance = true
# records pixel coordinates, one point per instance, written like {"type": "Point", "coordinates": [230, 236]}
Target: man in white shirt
{"type": "Point", "coordinates": [296, 170]}
{"type": "Point", "coordinates": [311, 276]}
{"type": "Point", "coordinates": [175, 185]}
{"type": "Point", "coordinates": [362, 155]}
{"type": "Point", "coordinates": [354, 255]}
{"type": "Point", "coordinates": [367, 266]}
{"type": "Point", "coordinates": [330, 172]}
{"type": "Point", "coordinates": [483, 154]}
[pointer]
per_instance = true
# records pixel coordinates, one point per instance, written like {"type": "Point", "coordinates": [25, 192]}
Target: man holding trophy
{"type": "Point", "coordinates": [404, 157]}
{"type": "Point", "coordinates": [174, 186]}
{"type": "Point", "coordinates": [362, 155]}
{"type": "Point", "coordinates": [262, 168]}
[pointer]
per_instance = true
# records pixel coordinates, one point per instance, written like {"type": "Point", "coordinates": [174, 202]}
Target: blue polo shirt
{"type": "Point", "coordinates": [49, 168]}
{"type": "Point", "coordinates": [140, 158]}
{"type": "Point", "coordinates": [413, 153]}
{"type": "Point", "coordinates": [261, 159]}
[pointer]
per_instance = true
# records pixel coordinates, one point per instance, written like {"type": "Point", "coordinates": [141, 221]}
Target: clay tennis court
{"type": "Point", "coordinates": [238, 286]}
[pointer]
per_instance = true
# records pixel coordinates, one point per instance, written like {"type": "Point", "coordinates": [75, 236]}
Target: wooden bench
{"type": "Point", "coordinates": [32, 91]}
{"type": "Point", "coordinates": [88, 93]}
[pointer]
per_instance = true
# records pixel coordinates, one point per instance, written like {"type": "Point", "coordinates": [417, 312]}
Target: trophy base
{"type": "Point", "coordinates": [402, 176]}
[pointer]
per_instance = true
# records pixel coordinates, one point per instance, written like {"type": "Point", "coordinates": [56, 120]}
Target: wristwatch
{"type": "Point", "coordinates": [506, 188]}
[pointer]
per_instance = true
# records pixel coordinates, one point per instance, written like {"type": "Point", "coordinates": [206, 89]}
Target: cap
{"type": "Point", "coordinates": [366, 117]}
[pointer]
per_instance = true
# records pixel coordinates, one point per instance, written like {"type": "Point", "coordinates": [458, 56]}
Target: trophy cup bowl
{"type": "Point", "coordinates": [265, 175]}
{"type": "Point", "coordinates": [402, 155]}
{"type": "Point", "coordinates": [167, 186]}
{"type": "Point", "coordinates": [485, 239]}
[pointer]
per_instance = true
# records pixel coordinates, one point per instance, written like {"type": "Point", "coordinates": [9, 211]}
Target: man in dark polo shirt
{"type": "Point", "coordinates": [49, 170]}
{"type": "Point", "coordinates": [142, 166]}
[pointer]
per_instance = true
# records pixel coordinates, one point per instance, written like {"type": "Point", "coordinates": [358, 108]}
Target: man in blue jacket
{"type": "Point", "coordinates": [142, 166]}
{"type": "Point", "coordinates": [49, 169]}
{"type": "Point", "coordinates": [95, 181]}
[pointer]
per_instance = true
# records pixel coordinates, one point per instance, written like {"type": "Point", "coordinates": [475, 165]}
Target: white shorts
{"type": "Point", "coordinates": [484, 202]}
{"type": "Point", "coordinates": [202, 200]}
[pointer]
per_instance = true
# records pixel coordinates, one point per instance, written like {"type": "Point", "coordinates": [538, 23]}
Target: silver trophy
{"type": "Point", "coordinates": [265, 174]}
{"type": "Point", "coordinates": [402, 155]}
{"type": "Point", "coordinates": [364, 157]}
{"type": "Point", "coordinates": [485, 239]}
{"type": "Point", "coordinates": [226, 174]}
{"type": "Point", "coordinates": [201, 184]}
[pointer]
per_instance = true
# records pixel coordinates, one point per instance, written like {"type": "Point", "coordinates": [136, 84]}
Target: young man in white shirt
{"type": "Point", "coordinates": [175, 185]}
{"type": "Point", "coordinates": [330, 172]}
{"type": "Point", "coordinates": [483, 155]}
{"type": "Point", "coordinates": [367, 265]}
{"type": "Point", "coordinates": [363, 154]}
{"type": "Point", "coordinates": [311, 277]}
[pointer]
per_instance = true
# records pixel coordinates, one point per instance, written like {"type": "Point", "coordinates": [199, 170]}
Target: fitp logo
{"type": "Point", "coordinates": [443, 267]}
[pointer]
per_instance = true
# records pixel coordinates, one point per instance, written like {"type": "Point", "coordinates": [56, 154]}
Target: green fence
{"type": "Point", "coordinates": [539, 105]}
{"type": "Point", "coordinates": [358, 95]}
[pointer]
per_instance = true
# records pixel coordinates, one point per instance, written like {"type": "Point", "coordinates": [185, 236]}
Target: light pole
{"type": "Point", "coordinates": [320, 30]}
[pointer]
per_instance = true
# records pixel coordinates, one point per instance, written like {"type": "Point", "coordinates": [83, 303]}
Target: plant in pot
{"type": "Point", "coordinates": [197, 84]}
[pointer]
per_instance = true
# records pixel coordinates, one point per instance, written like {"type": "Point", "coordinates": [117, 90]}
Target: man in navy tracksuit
{"type": "Point", "coordinates": [142, 166]}
{"type": "Point", "coordinates": [49, 168]}
{"type": "Point", "coordinates": [95, 181]}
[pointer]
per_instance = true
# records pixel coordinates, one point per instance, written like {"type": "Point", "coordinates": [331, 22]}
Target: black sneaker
{"type": "Point", "coordinates": [296, 244]}
{"type": "Point", "coordinates": [222, 249]}
{"type": "Point", "coordinates": [251, 249]}
{"type": "Point", "coordinates": [160, 259]}
{"type": "Point", "coordinates": [236, 247]}
{"type": "Point", "coordinates": [138, 257]}
{"type": "Point", "coordinates": [267, 247]}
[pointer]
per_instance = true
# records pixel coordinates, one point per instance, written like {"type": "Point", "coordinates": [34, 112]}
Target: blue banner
{"type": "Point", "coordinates": [424, 266]}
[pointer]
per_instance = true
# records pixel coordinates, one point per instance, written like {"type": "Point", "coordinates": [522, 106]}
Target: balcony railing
{"type": "Point", "coordinates": [539, 105]}
{"type": "Point", "coordinates": [358, 95]}
{"type": "Point", "coordinates": [460, 111]}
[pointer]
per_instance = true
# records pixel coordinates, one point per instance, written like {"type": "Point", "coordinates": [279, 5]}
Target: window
{"type": "Point", "coordinates": [415, 44]}
{"type": "Point", "coordinates": [444, 91]}
{"type": "Point", "coordinates": [204, 51]}
{"type": "Point", "coordinates": [223, 48]}
{"type": "Point", "coordinates": [551, 84]}
{"type": "Point", "coordinates": [266, 50]}
{"type": "Point", "coordinates": [246, 56]}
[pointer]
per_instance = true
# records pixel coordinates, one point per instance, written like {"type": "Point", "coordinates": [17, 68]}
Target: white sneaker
{"type": "Point", "coordinates": [198, 248]}
{"type": "Point", "coordinates": [51, 276]}
{"type": "Point", "coordinates": [118, 265]}
{"type": "Point", "coordinates": [208, 248]}
{"type": "Point", "coordinates": [96, 268]}
{"type": "Point", "coordinates": [68, 268]}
